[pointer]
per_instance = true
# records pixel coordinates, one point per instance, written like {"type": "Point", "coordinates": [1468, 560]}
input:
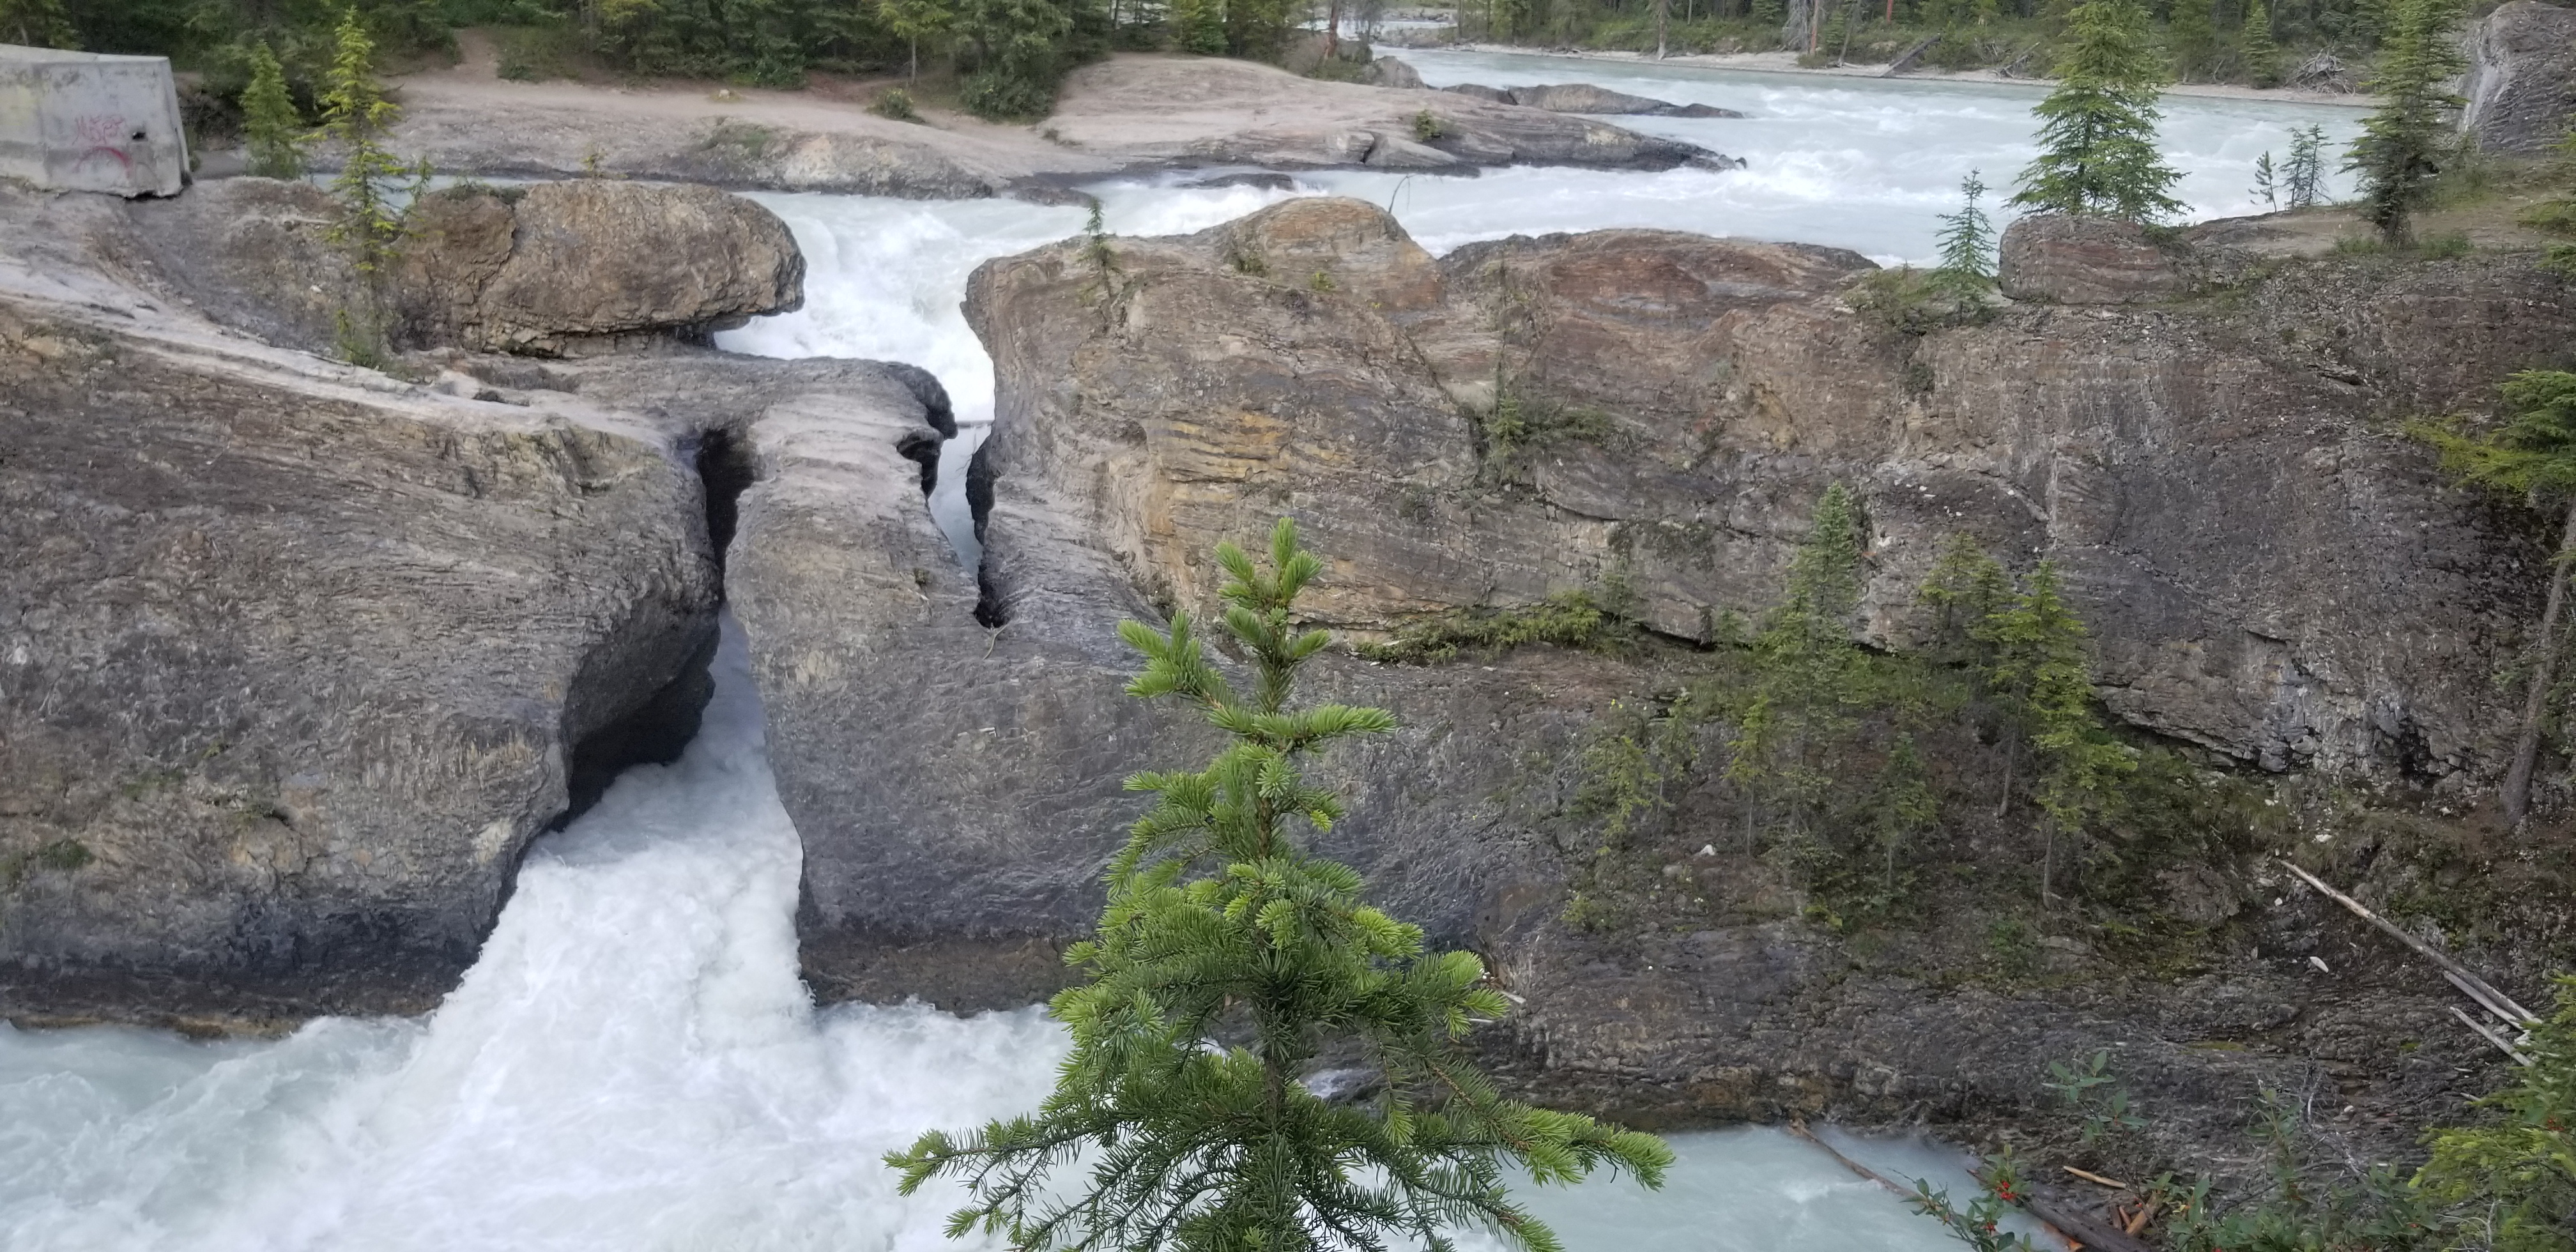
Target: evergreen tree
{"type": "Point", "coordinates": [1220, 924]}
{"type": "Point", "coordinates": [275, 132]}
{"type": "Point", "coordinates": [1806, 665]}
{"type": "Point", "coordinates": [2515, 1176]}
{"type": "Point", "coordinates": [355, 115]}
{"type": "Point", "coordinates": [1967, 269]}
{"type": "Point", "coordinates": [1257, 29]}
{"type": "Point", "coordinates": [2262, 55]}
{"type": "Point", "coordinates": [2039, 644]}
{"type": "Point", "coordinates": [913, 21]}
{"type": "Point", "coordinates": [1199, 26]}
{"type": "Point", "coordinates": [2403, 145]}
{"type": "Point", "coordinates": [2192, 30]}
{"type": "Point", "coordinates": [1013, 53]}
{"type": "Point", "coordinates": [2267, 183]}
{"type": "Point", "coordinates": [2303, 176]}
{"type": "Point", "coordinates": [1967, 591]}
{"type": "Point", "coordinates": [37, 24]}
{"type": "Point", "coordinates": [2098, 128]}
{"type": "Point", "coordinates": [2531, 456]}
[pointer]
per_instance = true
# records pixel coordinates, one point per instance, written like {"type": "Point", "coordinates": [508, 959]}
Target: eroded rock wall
{"type": "Point", "coordinates": [2272, 570]}
{"type": "Point", "coordinates": [294, 662]}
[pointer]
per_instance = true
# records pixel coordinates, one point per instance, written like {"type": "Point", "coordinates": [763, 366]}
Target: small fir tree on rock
{"type": "Point", "coordinates": [1967, 269]}
{"type": "Point", "coordinates": [2303, 176]}
{"type": "Point", "coordinates": [1228, 958]}
{"type": "Point", "coordinates": [1806, 668]}
{"type": "Point", "coordinates": [2097, 134]}
{"type": "Point", "coordinates": [2404, 145]}
{"type": "Point", "coordinates": [2042, 663]}
{"type": "Point", "coordinates": [275, 132]}
{"type": "Point", "coordinates": [355, 115]}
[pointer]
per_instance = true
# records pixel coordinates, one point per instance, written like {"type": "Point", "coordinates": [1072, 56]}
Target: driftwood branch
{"type": "Point", "coordinates": [2075, 1232]}
{"type": "Point", "coordinates": [2495, 1001]}
{"type": "Point", "coordinates": [2488, 1034]}
{"type": "Point", "coordinates": [1902, 63]}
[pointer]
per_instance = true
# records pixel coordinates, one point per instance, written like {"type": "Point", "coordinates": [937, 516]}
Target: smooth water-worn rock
{"type": "Point", "coordinates": [1207, 111]}
{"type": "Point", "coordinates": [295, 660]}
{"type": "Point", "coordinates": [253, 253]}
{"type": "Point", "coordinates": [1389, 72]}
{"type": "Point", "coordinates": [2521, 80]}
{"type": "Point", "coordinates": [1589, 98]}
{"type": "Point", "coordinates": [572, 266]}
{"type": "Point", "coordinates": [569, 267]}
{"type": "Point", "coordinates": [2086, 260]}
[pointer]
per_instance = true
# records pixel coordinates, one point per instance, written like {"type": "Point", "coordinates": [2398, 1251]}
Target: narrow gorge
{"type": "Point", "coordinates": [605, 763]}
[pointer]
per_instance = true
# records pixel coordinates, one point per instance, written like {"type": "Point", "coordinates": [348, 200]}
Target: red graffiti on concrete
{"type": "Point", "coordinates": [103, 133]}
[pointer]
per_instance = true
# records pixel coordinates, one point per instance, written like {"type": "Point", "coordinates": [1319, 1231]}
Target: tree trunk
{"type": "Point", "coordinates": [2012, 752]}
{"type": "Point", "coordinates": [1332, 29]}
{"type": "Point", "coordinates": [2047, 868]}
{"type": "Point", "coordinates": [2535, 703]}
{"type": "Point", "coordinates": [914, 72]}
{"type": "Point", "coordinates": [1663, 9]}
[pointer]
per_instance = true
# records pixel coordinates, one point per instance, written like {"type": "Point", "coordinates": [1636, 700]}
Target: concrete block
{"type": "Point", "coordinates": [83, 121]}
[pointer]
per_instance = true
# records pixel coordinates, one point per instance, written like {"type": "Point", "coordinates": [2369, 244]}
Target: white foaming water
{"type": "Point", "coordinates": [1859, 163]}
{"type": "Point", "coordinates": [633, 1066]}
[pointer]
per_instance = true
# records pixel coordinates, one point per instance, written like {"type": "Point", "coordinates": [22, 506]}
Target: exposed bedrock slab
{"type": "Point", "coordinates": [557, 269]}
{"type": "Point", "coordinates": [2521, 80]}
{"type": "Point", "coordinates": [295, 660]}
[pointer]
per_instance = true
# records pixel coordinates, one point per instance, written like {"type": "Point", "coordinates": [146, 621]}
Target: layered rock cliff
{"type": "Point", "coordinates": [2272, 572]}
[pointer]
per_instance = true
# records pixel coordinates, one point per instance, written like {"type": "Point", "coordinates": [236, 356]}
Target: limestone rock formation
{"type": "Point", "coordinates": [957, 786]}
{"type": "Point", "coordinates": [1674, 404]}
{"type": "Point", "coordinates": [1205, 111]}
{"type": "Point", "coordinates": [2521, 83]}
{"type": "Point", "coordinates": [2268, 572]}
{"type": "Point", "coordinates": [555, 269]}
{"type": "Point", "coordinates": [252, 253]}
{"type": "Point", "coordinates": [1588, 98]}
{"type": "Point", "coordinates": [572, 266]}
{"type": "Point", "coordinates": [295, 659]}
{"type": "Point", "coordinates": [2086, 260]}
{"type": "Point", "coordinates": [1389, 72]}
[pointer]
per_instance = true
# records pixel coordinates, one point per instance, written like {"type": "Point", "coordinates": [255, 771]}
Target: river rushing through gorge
{"type": "Point", "coordinates": [633, 1063]}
